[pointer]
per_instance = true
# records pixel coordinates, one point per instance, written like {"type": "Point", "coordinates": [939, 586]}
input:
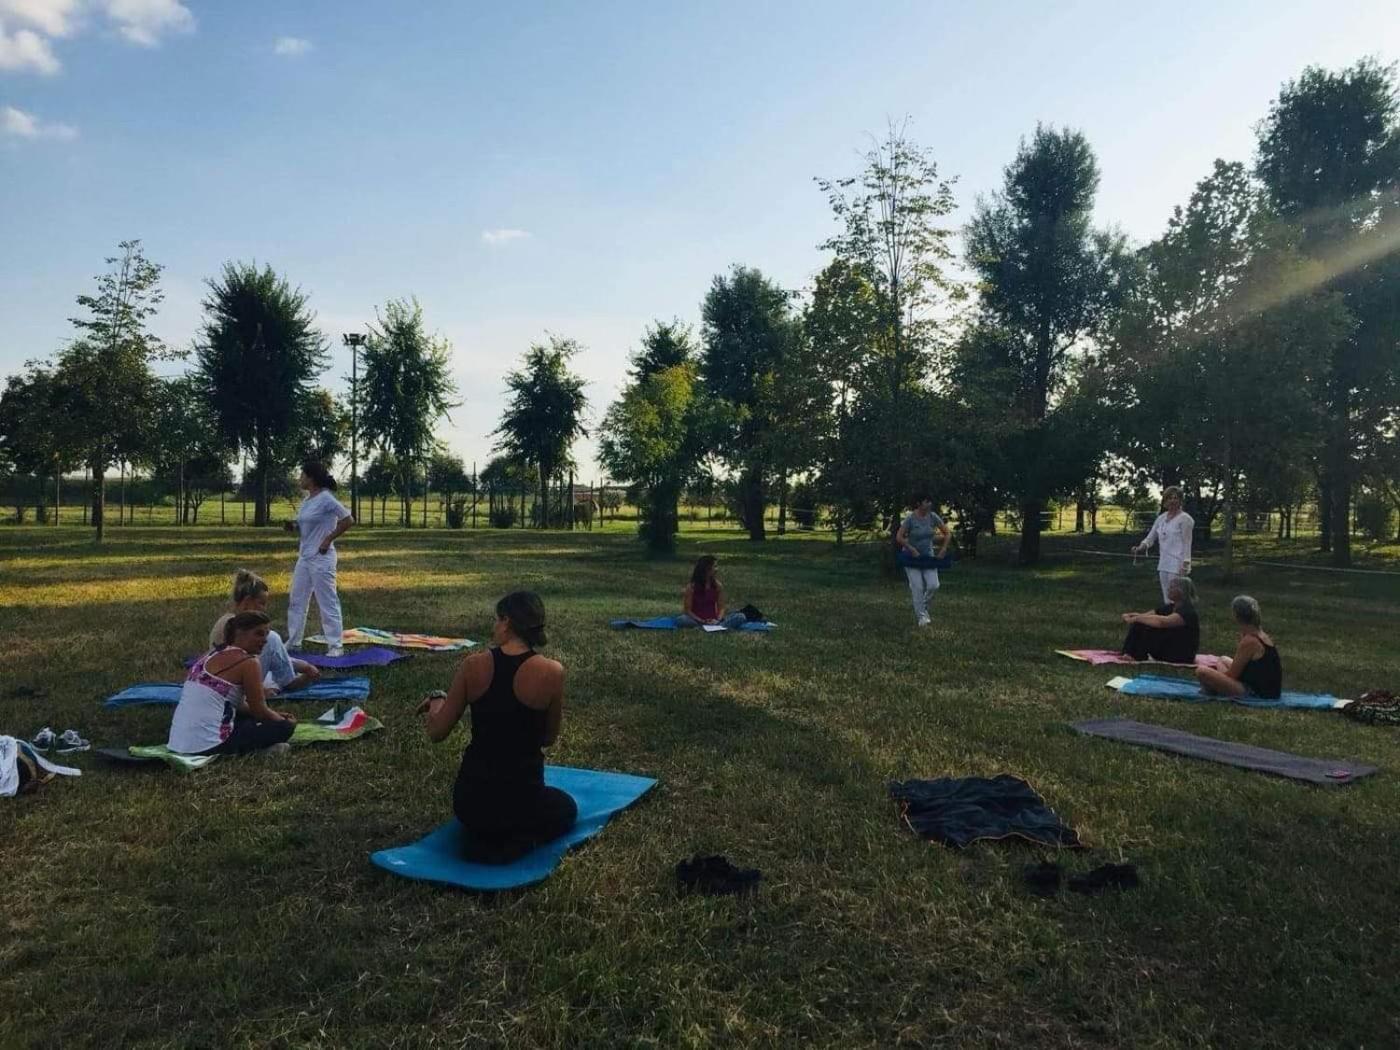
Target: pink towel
{"type": "Point", "coordinates": [1098, 657]}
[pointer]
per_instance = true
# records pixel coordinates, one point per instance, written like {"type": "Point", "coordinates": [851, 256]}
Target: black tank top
{"type": "Point", "coordinates": [1264, 676]}
{"type": "Point", "coordinates": [507, 736]}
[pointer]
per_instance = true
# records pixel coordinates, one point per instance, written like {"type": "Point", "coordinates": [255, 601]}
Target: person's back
{"type": "Point", "coordinates": [1263, 675]}
{"type": "Point", "coordinates": [507, 734]}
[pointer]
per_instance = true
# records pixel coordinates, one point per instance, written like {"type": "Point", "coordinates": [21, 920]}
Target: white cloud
{"type": "Point", "coordinates": [503, 236]}
{"type": "Point", "coordinates": [144, 22]}
{"type": "Point", "coordinates": [291, 46]}
{"type": "Point", "coordinates": [50, 17]}
{"type": "Point", "coordinates": [25, 51]}
{"type": "Point", "coordinates": [17, 123]}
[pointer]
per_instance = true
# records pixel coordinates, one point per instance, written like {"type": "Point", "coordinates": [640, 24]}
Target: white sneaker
{"type": "Point", "coordinates": [44, 739]}
{"type": "Point", "coordinates": [335, 650]}
{"type": "Point", "coordinates": [925, 621]}
{"type": "Point", "coordinates": [274, 751]}
{"type": "Point", "coordinates": [70, 742]}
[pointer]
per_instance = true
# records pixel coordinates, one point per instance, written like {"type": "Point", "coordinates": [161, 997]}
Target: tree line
{"type": "Point", "coordinates": [1249, 354]}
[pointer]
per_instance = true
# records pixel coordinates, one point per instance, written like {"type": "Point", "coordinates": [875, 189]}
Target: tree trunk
{"type": "Point", "coordinates": [1079, 515]}
{"type": "Point", "coordinates": [782, 505]}
{"type": "Point", "coordinates": [1324, 513]}
{"type": "Point", "coordinates": [99, 501]}
{"type": "Point", "coordinates": [183, 504]}
{"type": "Point", "coordinates": [260, 509]}
{"type": "Point", "coordinates": [121, 505]}
{"type": "Point", "coordinates": [571, 500]}
{"type": "Point", "coordinates": [544, 497]}
{"type": "Point", "coordinates": [1030, 532]}
{"type": "Point", "coordinates": [1341, 519]}
{"type": "Point", "coordinates": [1227, 556]}
{"type": "Point", "coordinates": [752, 501]}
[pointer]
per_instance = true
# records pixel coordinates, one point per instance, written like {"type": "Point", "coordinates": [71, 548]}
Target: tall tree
{"type": "Point", "coordinates": [259, 354]}
{"type": "Point", "coordinates": [1329, 156]}
{"type": "Point", "coordinates": [33, 434]}
{"type": "Point", "coordinates": [893, 241]}
{"type": "Point", "coordinates": [1047, 282]}
{"type": "Point", "coordinates": [105, 373]}
{"type": "Point", "coordinates": [325, 428]}
{"type": "Point", "coordinates": [653, 436]}
{"type": "Point", "coordinates": [545, 415]}
{"type": "Point", "coordinates": [185, 445]}
{"type": "Point", "coordinates": [749, 329]}
{"type": "Point", "coordinates": [405, 389]}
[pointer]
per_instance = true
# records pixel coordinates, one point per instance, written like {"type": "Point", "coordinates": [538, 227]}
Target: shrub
{"type": "Point", "coordinates": [503, 517]}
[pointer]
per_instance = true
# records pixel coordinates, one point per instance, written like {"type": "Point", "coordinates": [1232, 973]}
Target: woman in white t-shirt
{"type": "Point", "coordinates": [320, 519]}
{"type": "Point", "coordinates": [222, 708]}
{"type": "Point", "coordinates": [1171, 532]}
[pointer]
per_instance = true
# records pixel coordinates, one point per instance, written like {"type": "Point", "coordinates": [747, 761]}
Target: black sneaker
{"type": "Point", "coordinates": [716, 876]}
{"type": "Point", "coordinates": [1043, 879]}
{"type": "Point", "coordinates": [1106, 877]}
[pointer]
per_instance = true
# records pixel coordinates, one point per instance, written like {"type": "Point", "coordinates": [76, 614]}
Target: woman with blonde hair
{"type": "Point", "coordinates": [281, 673]}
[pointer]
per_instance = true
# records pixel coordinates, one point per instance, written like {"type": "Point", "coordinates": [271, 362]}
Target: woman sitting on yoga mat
{"type": "Point", "coordinates": [1171, 633]}
{"type": "Point", "coordinates": [702, 601]}
{"type": "Point", "coordinates": [281, 673]}
{"type": "Point", "coordinates": [222, 709]}
{"type": "Point", "coordinates": [1255, 669]}
{"type": "Point", "coordinates": [516, 699]}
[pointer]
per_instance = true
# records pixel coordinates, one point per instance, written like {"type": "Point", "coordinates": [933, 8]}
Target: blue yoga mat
{"type": "Point", "coordinates": [169, 692]}
{"type": "Point", "coordinates": [366, 656]}
{"type": "Point", "coordinates": [1164, 688]}
{"type": "Point", "coordinates": [668, 623]}
{"type": "Point", "coordinates": [437, 857]}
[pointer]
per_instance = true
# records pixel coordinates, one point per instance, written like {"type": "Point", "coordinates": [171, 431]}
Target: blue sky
{"type": "Point", "coordinates": [578, 168]}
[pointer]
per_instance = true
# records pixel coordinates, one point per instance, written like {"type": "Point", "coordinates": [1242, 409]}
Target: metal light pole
{"type": "Point", "coordinates": [354, 340]}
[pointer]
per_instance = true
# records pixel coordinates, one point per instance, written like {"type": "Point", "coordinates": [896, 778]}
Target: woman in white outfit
{"type": "Point", "coordinates": [1171, 532]}
{"type": "Point", "coordinates": [915, 538]}
{"type": "Point", "coordinates": [320, 519]}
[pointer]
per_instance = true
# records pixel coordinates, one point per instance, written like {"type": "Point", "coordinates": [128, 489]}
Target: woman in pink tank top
{"type": "Point", "coordinates": [703, 599]}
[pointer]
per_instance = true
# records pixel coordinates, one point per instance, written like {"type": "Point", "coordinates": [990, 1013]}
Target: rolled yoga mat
{"type": "Point", "coordinates": [1329, 771]}
{"type": "Point", "coordinates": [438, 856]}
{"type": "Point", "coordinates": [169, 692]}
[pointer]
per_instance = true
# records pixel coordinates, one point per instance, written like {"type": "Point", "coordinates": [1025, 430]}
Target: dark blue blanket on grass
{"type": "Point", "coordinates": [958, 811]}
{"type": "Point", "coordinates": [670, 623]}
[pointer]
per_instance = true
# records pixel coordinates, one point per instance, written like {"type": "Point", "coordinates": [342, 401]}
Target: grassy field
{"type": "Point", "coordinates": [238, 907]}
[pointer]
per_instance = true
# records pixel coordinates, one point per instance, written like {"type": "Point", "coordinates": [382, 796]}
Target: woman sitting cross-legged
{"type": "Point", "coordinates": [516, 698]}
{"type": "Point", "coordinates": [281, 673]}
{"type": "Point", "coordinates": [702, 601]}
{"type": "Point", "coordinates": [1255, 670]}
{"type": "Point", "coordinates": [222, 708]}
{"type": "Point", "coordinates": [1171, 633]}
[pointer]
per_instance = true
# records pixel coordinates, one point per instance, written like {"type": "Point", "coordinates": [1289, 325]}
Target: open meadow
{"type": "Point", "coordinates": [237, 905]}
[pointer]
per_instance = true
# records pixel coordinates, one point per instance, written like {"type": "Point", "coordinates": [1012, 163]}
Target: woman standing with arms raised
{"type": "Point", "coordinates": [321, 518]}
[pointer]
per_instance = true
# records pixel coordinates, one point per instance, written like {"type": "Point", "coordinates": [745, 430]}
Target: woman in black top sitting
{"type": "Point", "coordinates": [1255, 669]}
{"type": "Point", "coordinates": [516, 699]}
{"type": "Point", "coordinates": [1171, 633]}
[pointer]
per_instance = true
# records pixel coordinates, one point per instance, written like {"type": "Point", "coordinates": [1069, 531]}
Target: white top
{"type": "Point", "coordinates": [1173, 539]}
{"type": "Point", "coordinates": [317, 518]}
{"type": "Point", "coordinates": [204, 716]}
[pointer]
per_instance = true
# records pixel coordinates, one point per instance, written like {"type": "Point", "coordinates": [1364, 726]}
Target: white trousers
{"type": "Point", "coordinates": [1166, 578]}
{"type": "Point", "coordinates": [923, 584]}
{"type": "Point", "coordinates": [314, 575]}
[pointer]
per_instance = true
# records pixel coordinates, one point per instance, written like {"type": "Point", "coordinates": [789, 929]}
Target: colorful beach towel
{"type": "Point", "coordinates": [438, 856]}
{"type": "Point", "coordinates": [328, 729]}
{"type": "Point", "coordinates": [669, 623]}
{"type": "Point", "coordinates": [326, 689]}
{"type": "Point", "coordinates": [1100, 657]}
{"type": "Point", "coordinates": [958, 811]}
{"type": "Point", "coordinates": [1328, 771]}
{"type": "Point", "coordinates": [1163, 688]}
{"type": "Point", "coordinates": [398, 639]}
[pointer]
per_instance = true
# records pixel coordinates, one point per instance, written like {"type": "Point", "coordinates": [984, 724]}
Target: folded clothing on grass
{"type": "Point", "coordinates": [1164, 688]}
{"type": "Point", "coordinates": [672, 623]}
{"type": "Point", "coordinates": [1100, 657]}
{"type": "Point", "coordinates": [22, 767]}
{"type": "Point", "coordinates": [1329, 771]}
{"type": "Point", "coordinates": [958, 811]}
{"type": "Point", "coordinates": [432, 643]}
{"type": "Point", "coordinates": [353, 688]}
{"type": "Point", "coordinates": [438, 856]}
{"type": "Point", "coordinates": [328, 729]}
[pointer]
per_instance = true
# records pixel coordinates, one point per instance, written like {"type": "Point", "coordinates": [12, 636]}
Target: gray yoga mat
{"type": "Point", "coordinates": [1296, 767]}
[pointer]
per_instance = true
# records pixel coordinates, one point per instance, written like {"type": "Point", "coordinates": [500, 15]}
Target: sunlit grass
{"type": "Point", "coordinates": [238, 907]}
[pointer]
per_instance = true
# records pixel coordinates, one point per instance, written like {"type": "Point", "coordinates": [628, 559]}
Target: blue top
{"type": "Point", "coordinates": [921, 531]}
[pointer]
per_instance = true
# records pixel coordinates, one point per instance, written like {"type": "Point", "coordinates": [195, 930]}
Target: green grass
{"type": "Point", "coordinates": [237, 906]}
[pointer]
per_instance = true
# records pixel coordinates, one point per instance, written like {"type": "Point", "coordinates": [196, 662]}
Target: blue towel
{"type": "Point", "coordinates": [1166, 688]}
{"type": "Point", "coordinates": [437, 858]}
{"type": "Point", "coordinates": [668, 623]}
{"type": "Point", "coordinates": [356, 689]}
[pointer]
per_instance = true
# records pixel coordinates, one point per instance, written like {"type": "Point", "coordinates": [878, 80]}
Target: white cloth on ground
{"type": "Point", "coordinates": [9, 765]}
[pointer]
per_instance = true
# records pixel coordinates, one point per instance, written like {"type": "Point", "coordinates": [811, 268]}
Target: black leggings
{"type": "Point", "coordinates": [500, 833]}
{"type": "Point", "coordinates": [1160, 643]}
{"type": "Point", "coordinates": [250, 735]}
